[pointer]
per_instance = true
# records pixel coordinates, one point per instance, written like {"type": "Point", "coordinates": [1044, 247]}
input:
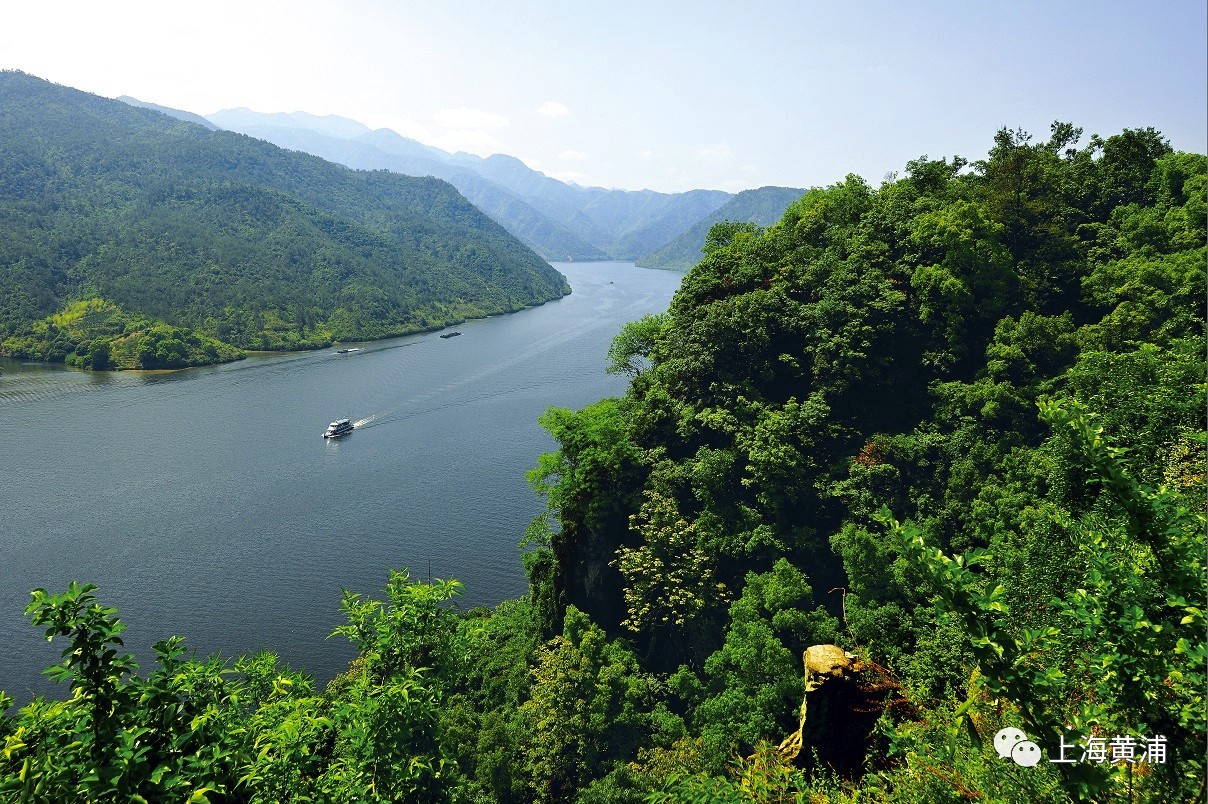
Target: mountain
{"type": "Point", "coordinates": [764, 207]}
{"type": "Point", "coordinates": [385, 150]}
{"type": "Point", "coordinates": [177, 113]}
{"type": "Point", "coordinates": [915, 450]}
{"type": "Point", "coordinates": [229, 236]}
{"type": "Point", "coordinates": [558, 220]}
{"type": "Point", "coordinates": [625, 224]}
{"type": "Point", "coordinates": [330, 125]}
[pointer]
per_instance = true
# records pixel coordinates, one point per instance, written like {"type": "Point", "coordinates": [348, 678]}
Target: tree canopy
{"type": "Point", "coordinates": [228, 237]}
{"type": "Point", "coordinates": [953, 425]}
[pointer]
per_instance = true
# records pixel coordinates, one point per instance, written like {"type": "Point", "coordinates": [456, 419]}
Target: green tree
{"type": "Point", "coordinates": [630, 350]}
{"type": "Point", "coordinates": [668, 579]}
{"type": "Point", "coordinates": [590, 705]}
{"type": "Point", "coordinates": [755, 680]}
{"type": "Point", "coordinates": [1138, 622]}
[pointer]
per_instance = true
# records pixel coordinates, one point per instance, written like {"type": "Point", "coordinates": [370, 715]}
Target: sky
{"type": "Point", "coordinates": [668, 96]}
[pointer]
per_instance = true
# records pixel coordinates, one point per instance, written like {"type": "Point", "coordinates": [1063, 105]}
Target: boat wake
{"type": "Point", "coordinates": [365, 421]}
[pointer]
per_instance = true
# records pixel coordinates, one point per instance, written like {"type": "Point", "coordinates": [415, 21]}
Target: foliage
{"type": "Point", "coordinates": [98, 335]}
{"type": "Point", "coordinates": [160, 738]}
{"type": "Point", "coordinates": [1138, 623]}
{"type": "Point", "coordinates": [201, 730]}
{"type": "Point", "coordinates": [415, 629]}
{"type": "Point", "coordinates": [890, 347]}
{"type": "Point", "coordinates": [228, 237]}
{"type": "Point", "coordinates": [590, 705]}
{"type": "Point", "coordinates": [830, 437]}
{"type": "Point", "coordinates": [754, 680]}
{"type": "Point", "coordinates": [630, 349]}
{"type": "Point", "coordinates": [668, 580]}
{"type": "Point", "coordinates": [761, 778]}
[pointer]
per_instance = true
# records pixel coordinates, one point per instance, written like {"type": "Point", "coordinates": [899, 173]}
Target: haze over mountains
{"type": "Point", "coordinates": [154, 238]}
{"type": "Point", "coordinates": [763, 207]}
{"type": "Point", "coordinates": [560, 221]}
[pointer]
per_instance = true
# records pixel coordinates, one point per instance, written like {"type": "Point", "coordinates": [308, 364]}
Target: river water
{"type": "Point", "coordinates": [205, 503]}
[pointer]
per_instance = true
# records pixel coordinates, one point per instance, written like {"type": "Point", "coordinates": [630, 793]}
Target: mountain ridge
{"type": "Point", "coordinates": [537, 230]}
{"type": "Point", "coordinates": [558, 220]}
{"type": "Point", "coordinates": [231, 236]}
{"type": "Point", "coordinates": [762, 206]}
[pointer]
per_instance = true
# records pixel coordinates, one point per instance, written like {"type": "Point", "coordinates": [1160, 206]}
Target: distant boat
{"type": "Point", "coordinates": [453, 334]}
{"type": "Point", "coordinates": [347, 351]}
{"type": "Point", "coordinates": [340, 427]}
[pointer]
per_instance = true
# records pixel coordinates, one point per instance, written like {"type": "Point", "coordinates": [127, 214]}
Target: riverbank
{"type": "Point", "coordinates": [96, 335]}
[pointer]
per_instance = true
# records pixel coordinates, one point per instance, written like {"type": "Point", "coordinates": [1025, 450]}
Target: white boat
{"type": "Point", "coordinates": [340, 427]}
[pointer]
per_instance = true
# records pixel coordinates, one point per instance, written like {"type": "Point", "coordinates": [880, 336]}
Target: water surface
{"type": "Point", "coordinates": [205, 502]}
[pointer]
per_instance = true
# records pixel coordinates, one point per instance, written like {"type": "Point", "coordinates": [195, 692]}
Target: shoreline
{"type": "Point", "coordinates": [245, 353]}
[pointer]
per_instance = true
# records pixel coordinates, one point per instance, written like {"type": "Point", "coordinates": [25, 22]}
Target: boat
{"type": "Point", "coordinates": [452, 334]}
{"type": "Point", "coordinates": [340, 427]}
{"type": "Point", "coordinates": [347, 351]}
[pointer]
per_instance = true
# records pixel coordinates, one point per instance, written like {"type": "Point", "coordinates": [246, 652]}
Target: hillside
{"type": "Point", "coordinates": [946, 434]}
{"type": "Point", "coordinates": [560, 221]}
{"type": "Point", "coordinates": [953, 425]}
{"type": "Point", "coordinates": [624, 223]}
{"type": "Point", "coordinates": [188, 117]}
{"type": "Point", "coordinates": [761, 207]}
{"type": "Point", "coordinates": [385, 150]}
{"type": "Point", "coordinates": [229, 236]}
{"type": "Point", "coordinates": [95, 334]}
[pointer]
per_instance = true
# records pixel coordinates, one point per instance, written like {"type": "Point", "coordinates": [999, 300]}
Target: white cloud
{"type": "Point", "coordinates": [571, 176]}
{"type": "Point", "coordinates": [469, 130]}
{"type": "Point", "coordinates": [401, 125]}
{"type": "Point", "coordinates": [713, 153]}
{"type": "Point", "coordinates": [645, 155]}
{"type": "Point", "coordinates": [465, 118]}
{"type": "Point", "coordinates": [553, 109]}
{"type": "Point", "coordinates": [470, 140]}
{"type": "Point", "coordinates": [736, 185]}
{"type": "Point", "coordinates": [572, 155]}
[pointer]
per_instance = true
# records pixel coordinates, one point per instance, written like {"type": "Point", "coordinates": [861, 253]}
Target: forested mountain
{"type": "Point", "coordinates": [625, 223]}
{"type": "Point", "coordinates": [188, 117]}
{"type": "Point", "coordinates": [385, 150]}
{"type": "Point", "coordinates": [560, 221]}
{"type": "Point", "coordinates": [227, 236]}
{"type": "Point", "coordinates": [947, 434]}
{"type": "Point", "coordinates": [1003, 359]}
{"type": "Point", "coordinates": [761, 207]}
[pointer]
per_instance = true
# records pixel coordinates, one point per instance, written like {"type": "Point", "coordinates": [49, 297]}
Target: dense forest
{"type": "Point", "coordinates": [946, 435]}
{"type": "Point", "coordinates": [219, 237]}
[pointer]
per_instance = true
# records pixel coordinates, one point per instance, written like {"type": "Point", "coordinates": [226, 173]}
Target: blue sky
{"type": "Point", "coordinates": [670, 95]}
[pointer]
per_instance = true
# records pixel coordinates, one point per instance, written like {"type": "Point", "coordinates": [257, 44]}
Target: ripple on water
{"type": "Point", "coordinates": [205, 502]}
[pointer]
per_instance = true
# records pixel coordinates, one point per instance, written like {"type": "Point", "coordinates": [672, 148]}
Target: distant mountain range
{"type": "Point", "coordinates": [560, 221]}
{"type": "Point", "coordinates": [385, 150]}
{"type": "Point", "coordinates": [188, 117]}
{"type": "Point", "coordinates": [764, 206]}
{"type": "Point", "coordinates": [171, 223]}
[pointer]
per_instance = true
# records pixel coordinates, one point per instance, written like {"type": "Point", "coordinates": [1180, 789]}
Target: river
{"type": "Point", "coordinates": [205, 503]}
